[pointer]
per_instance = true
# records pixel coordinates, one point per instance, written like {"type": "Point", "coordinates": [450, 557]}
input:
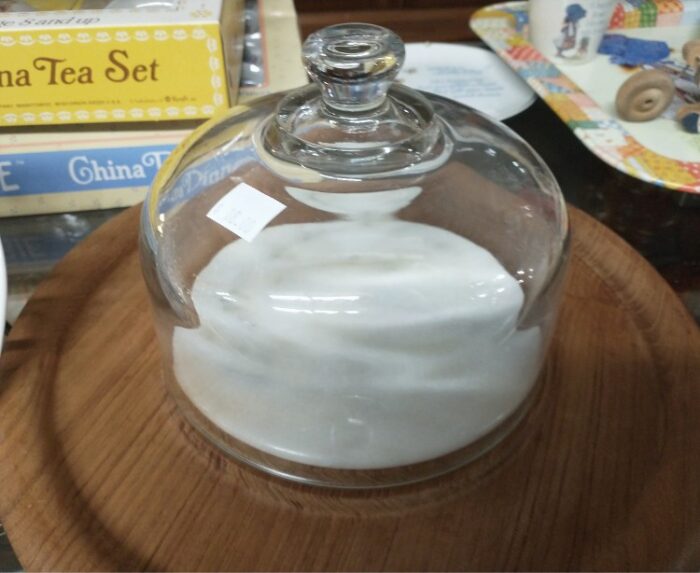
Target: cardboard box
{"type": "Point", "coordinates": [85, 167]}
{"type": "Point", "coordinates": [124, 65]}
{"type": "Point", "coordinates": [74, 171]}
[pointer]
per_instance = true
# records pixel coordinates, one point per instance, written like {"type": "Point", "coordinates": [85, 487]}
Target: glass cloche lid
{"type": "Point", "coordinates": [354, 283]}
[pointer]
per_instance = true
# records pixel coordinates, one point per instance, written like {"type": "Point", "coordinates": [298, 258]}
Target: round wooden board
{"type": "Point", "coordinates": [99, 472]}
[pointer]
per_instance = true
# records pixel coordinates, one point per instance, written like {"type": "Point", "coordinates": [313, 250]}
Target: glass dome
{"type": "Point", "coordinates": [354, 283]}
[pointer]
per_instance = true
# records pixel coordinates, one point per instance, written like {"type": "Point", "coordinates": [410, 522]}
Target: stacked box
{"type": "Point", "coordinates": [618, 17]}
{"type": "Point", "coordinates": [632, 16]}
{"type": "Point", "coordinates": [90, 167]}
{"type": "Point", "coordinates": [670, 12]}
{"type": "Point", "coordinates": [669, 6]}
{"type": "Point", "coordinates": [647, 14]}
{"type": "Point", "coordinates": [118, 65]}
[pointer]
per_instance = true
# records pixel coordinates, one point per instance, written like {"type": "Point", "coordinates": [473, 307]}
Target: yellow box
{"type": "Point", "coordinates": [107, 66]}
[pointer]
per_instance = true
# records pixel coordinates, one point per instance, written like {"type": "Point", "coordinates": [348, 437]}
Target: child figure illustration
{"type": "Point", "coordinates": [569, 30]}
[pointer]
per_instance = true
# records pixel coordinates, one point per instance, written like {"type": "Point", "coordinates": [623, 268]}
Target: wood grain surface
{"type": "Point", "coordinates": [439, 25]}
{"type": "Point", "coordinates": [99, 472]}
{"type": "Point", "coordinates": [413, 20]}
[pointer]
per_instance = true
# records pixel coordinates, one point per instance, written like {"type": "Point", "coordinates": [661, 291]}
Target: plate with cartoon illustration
{"type": "Point", "coordinates": [473, 76]}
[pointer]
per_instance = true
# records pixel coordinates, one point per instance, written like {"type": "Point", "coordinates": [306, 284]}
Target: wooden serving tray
{"type": "Point", "coordinates": [99, 472]}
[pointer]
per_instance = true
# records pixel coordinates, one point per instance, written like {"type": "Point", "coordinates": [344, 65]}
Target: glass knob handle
{"type": "Point", "coordinates": [353, 64]}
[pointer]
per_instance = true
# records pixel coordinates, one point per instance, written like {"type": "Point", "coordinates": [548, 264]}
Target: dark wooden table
{"type": "Point", "coordinates": [663, 225]}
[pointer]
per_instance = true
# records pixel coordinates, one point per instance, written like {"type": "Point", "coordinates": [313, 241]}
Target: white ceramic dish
{"type": "Point", "coordinates": [473, 76]}
{"type": "Point", "coordinates": [583, 96]}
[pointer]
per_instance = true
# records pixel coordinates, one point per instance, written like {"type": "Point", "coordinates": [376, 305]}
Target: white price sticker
{"type": "Point", "coordinates": [245, 211]}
